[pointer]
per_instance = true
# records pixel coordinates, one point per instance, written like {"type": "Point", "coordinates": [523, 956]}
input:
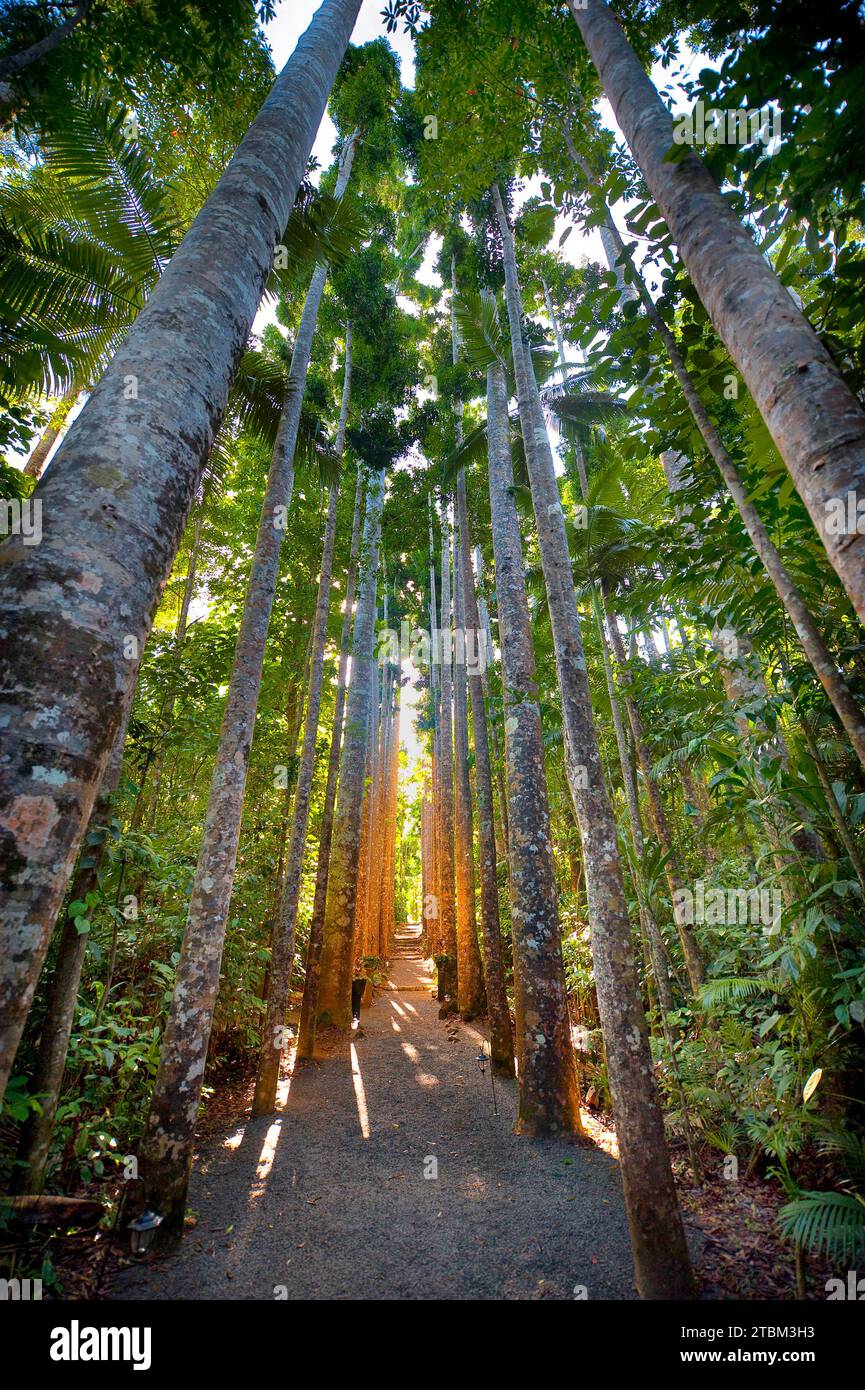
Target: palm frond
{"type": "Point", "coordinates": [321, 229]}
{"type": "Point", "coordinates": [826, 1222]}
{"type": "Point", "coordinates": [847, 1146]}
{"type": "Point", "coordinates": [480, 328]}
{"type": "Point", "coordinates": [84, 236]}
{"type": "Point", "coordinates": [258, 395]}
{"type": "Point", "coordinates": [472, 450]}
{"type": "Point", "coordinates": [111, 182]}
{"type": "Point", "coordinates": [583, 408]}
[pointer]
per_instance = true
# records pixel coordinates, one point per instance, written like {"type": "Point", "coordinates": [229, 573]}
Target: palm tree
{"type": "Point", "coordinates": [660, 1252]}
{"type": "Point", "coordinates": [167, 1144]}
{"type": "Point", "coordinates": [309, 1007]}
{"type": "Point", "coordinates": [817, 424]}
{"type": "Point", "coordinates": [447, 961]}
{"type": "Point", "coordinates": [470, 986]}
{"type": "Point", "coordinates": [546, 1069]}
{"type": "Point", "coordinates": [501, 1033]}
{"type": "Point", "coordinates": [84, 237]}
{"type": "Point", "coordinates": [823, 664]}
{"type": "Point", "coordinates": [282, 958]}
{"type": "Point", "coordinates": [334, 1004]}
{"type": "Point", "coordinates": [118, 496]}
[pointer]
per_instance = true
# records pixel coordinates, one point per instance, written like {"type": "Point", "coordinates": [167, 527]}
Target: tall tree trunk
{"type": "Point", "coordinates": [549, 1101]}
{"type": "Point", "coordinates": [386, 918]}
{"type": "Point", "coordinates": [337, 959]}
{"type": "Point", "coordinates": [661, 1262]}
{"type": "Point", "coordinates": [470, 988]}
{"type": "Point", "coordinates": [17, 62]}
{"type": "Point", "coordinates": [62, 994]}
{"type": "Point", "coordinates": [306, 1034]}
{"type": "Point", "coordinates": [657, 952]}
{"type": "Point", "coordinates": [447, 986]}
{"type": "Point", "coordinates": [501, 1033]}
{"type": "Point", "coordinates": [371, 875]}
{"type": "Point", "coordinates": [364, 865]}
{"type": "Point", "coordinates": [167, 710]}
{"type": "Point", "coordinates": [470, 985]}
{"type": "Point", "coordinates": [425, 857]}
{"type": "Point", "coordinates": [75, 611]}
{"type": "Point", "coordinates": [191, 575]}
{"type": "Point", "coordinates": [166, 1149]}
{"type": "Point", "coordinates": [431, 907]}
{"type": "Point", "coordinates": [824, 665]}
{"type": "Point", "coordinates": [367, 931]}
{"type": "Point", "coordinates": [282, 956]}
{"type": "Point", "coordinates": [817, 424]}
{"type": "Point", "coordinates": [485, 632]}
{"type": "Point", "coordinates": [35, 465]}
{"type": "Point", "coordinates": [745, 687]}
{"type": "Point", "coordinates": [557, 332]}
{"type": "Point", "coordinates": [293, 722]}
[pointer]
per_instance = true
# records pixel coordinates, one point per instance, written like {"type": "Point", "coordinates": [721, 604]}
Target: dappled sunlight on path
{"type": "Point", "coordinates": [388, 1175]}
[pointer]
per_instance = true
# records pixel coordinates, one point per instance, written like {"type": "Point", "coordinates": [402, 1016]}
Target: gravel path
{"type": "Point", "coordinates": [329, 1198]}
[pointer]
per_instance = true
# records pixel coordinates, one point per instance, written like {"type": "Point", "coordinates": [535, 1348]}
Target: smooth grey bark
{"type": "Point", "coordinates": [191, 575]}
{"type": "Point", "coordinates": [167, 710]}
{"type": "Point", "coordinates": [76, 609]}
{"type": "Point", "coordinates": [557, 331]}
{"type": "Point", "coordinates": [337, 958]}
{"type": "Point", "coordinates": [447, 987]}
{"type": "Point", "coordinates": [367, 926]}
{"type": "Point", "coordinates": [693, 960]}
{"type": "Point", "coordinates": [486, 630]}
{"type": "Point", "coordinates": [432, 920]}
{"type": "Point", "coordinates": [282, 955]}
{"type": "Point", "coordinates": [470, 988]}
{"type": "Point", "coordinates": [817, 424]}
{"type": "Point", "coordinates": [306, 1033]}
{"type": "Point", "coordinates": [371, 871]}
{"type": "Point", "coordinates": [385, 916]}
{"type": "Point", "coordinates": [35, 465]}
{"type": "Point", "coordinates": [549, 1099]}
{"type": "Point", "coordinates": [501, 1033]}
{"type": "Point", "coordinates": [470, 985]}
{"type": "Point", "coordinates": [62, 993]}
{"type": "Point", "coordinates": [294, 711]}
{"type": "Point", "coordinates": [661, 1263]}
{"type": "Point", "coordinates": [369, 800]}
{"type": "Point", "coordinates": [657, 952]}
{"type": "Point", "coordinates": [824, 665]}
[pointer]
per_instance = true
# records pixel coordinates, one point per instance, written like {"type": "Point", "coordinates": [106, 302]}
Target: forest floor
{"type": "Point", "coordinates": [329, 1199]}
